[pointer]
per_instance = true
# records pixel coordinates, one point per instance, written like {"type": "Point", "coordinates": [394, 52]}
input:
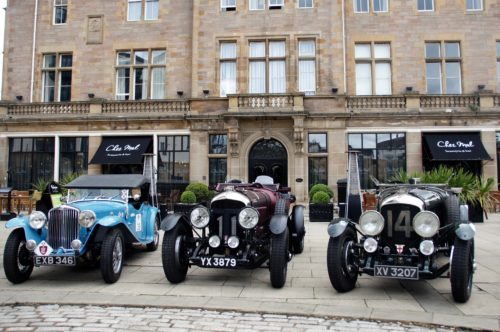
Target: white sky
{"type": "Point", "coordinates": [3, 4]}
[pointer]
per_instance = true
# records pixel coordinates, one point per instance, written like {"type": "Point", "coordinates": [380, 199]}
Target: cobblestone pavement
{"type": "Point", "coordinates": [104, 319]}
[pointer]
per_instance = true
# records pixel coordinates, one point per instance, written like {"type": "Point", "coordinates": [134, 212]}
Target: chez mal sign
{"type": "Point", "coordinates": [455, 147]}
{"type": "Point", "coordinates": [118, 150]}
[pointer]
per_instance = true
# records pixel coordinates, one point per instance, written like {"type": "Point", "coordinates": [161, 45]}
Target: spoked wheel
{"type": "Point", "coordinates": [17, 262]}
{"type": "Point", "coordinates": [174, 254]}
{"type": "Point", "coordinates": [156, 239]}
{"type": "Point", "coordinates": [462, 269]}
{"type": "Point", "coordinates": [278, 259]}
{"type": "Point", "coordinates": [341, 262]}
{"type": "Point", "coordinates": [112, 256]}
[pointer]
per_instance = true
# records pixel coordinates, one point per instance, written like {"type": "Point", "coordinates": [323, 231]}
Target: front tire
{"type": "Point", "coordinates": [17, 262]}
{"type": "Point", "coordinates": [462, 269]}
{"type": "Point", "coordinates": [278, 259]}
{"type": "Point", "coordinates": [342, 267]}
{"type": "Point", "coordinates": [174, 254]}
{"type": "Point", "coordinates": [112, 256]}
{"type": "Point", "coordinates": [152, 246]}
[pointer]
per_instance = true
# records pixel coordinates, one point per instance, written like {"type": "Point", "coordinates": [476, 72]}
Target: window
{"type": "Point", "coordinates": [267, 60]}
{"type": "Point", "coordinates": [30, 159]}
{"type": "Point", "coordinates": [228, 5]}
{"type": "Point", "coordinates": [306, 4]}
{"type": "Point", "coordinates": [257, 4]}
{"type": "Point", "coordinates": [133, 70]}
{"type": "Point", "coordinates": [74, 155]}
{"type": "Point", "coordinates": [276, 4]}
{"type": "Point", "coordinates": [318, 160]}
{"type": "Point", "coordinates": [217, 151]}
{"type": "Point", "coordinates": [498, 66]}
{"type": "Point", "coordinates": [474, 5]}
{"type": "Point", "coordinates": [380, 6]}
{"type": "Point", "coordinates": [361, 6]}
{"type": "Point", "coordinates": [56, 77]}
{"type": "Point", "coordinates": [425, 5]}
{"type": "Point", "coordinates": [443, 67]}
{"type": "Point", "coordinates": [373, 68]}
{"type": "Point", "coordinates": [227, 75]}
{"type": "Point", "coordinates": [60, 11]}
{"type": "Point", "coordinates": [173, 164]}
{"type": "Point", "coordinates": [381, 155]}
{"type": "Point", "coordinates": [307, 67]}
{"type": "Point", "coordinates": [137, 7]}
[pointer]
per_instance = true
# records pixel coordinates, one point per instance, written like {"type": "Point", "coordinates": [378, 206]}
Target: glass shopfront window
{"type": "Point", "coordinates": [74, 155]}
{"type": "Point", "coordinates": [173, 164]}
{"type": "Point", "coordinates": [217, 159]}
{"type": "Point", "coordinates": [318, 160]}
{"type": "Point", "coordinates": [381, 155]}
{"type": "Point", "coordinates": [30, 159]}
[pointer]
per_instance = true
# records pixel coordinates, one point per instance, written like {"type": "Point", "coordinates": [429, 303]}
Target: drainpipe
{"type": "Point", "coordinates": [33, 54]}
{"type": "Point", "coordinates": [343, 46]}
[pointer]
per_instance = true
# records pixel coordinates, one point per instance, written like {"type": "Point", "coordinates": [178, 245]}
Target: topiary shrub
{"type": "Point", "coordinates": [200, 190]}
{"type": "Point", "coordinates": [321, 197]}
{"type": "Point", "coordinates": [320, 187]}
{"type": "Point", "coordinates": [188, 197]}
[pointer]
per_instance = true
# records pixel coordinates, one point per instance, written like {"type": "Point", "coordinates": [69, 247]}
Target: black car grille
{"type": "Point", "coordinates": [63, 227]}
{"type": "Point", "coordinates": [399, 226]}
{"type": "Point", "coordinates": [224, 223]}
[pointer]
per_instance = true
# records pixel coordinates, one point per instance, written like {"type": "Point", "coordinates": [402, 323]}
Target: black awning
{"type": "Point", "coordinates": [121, 150]}
{"type": "Point", "coordinates": [455, 146]}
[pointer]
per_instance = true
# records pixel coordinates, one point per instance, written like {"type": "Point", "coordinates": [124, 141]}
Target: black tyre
{"type": "Point", "coordinates": [298, 244]}
{"type": "Point", "coordinates": [278, 259]}
{"type": "Point", "coordinates": [152, 246]}
{"type": "Point", "coordinates": [280, 208]}
{"type": "Point", "coordinates": [341, 262]}
{"type": "Point", "coordinates": [452, 207]}
{"type": "Point", "coordinates": [17, 262]}
{"type": "Point", "coordinates": [174, 253]}
{"type": "Point", "coordinates": [462, 269]}
{"type": "Point", "coordinates": [112, 251]}
{"type": "Point", "coordinates": [297, 225]}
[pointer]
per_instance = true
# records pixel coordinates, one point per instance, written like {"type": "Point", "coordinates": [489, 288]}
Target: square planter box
{"type": "Point", "coordinates": [320, 212]}
{"type": "Point", "coordinates": [184, 208]}
{"type": "Point", "coordinates": [476, 213]}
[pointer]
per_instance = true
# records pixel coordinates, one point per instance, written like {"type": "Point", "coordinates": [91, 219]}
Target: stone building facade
{"type": "Point", "coordinates": [225, 89]}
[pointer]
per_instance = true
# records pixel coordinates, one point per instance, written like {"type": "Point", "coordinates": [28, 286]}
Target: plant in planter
{"type": "Point", "coordinates": [321, 206]}
{"type": "Point", "coordinates": [201, 191]}
{"type": "Point", "coordinates": [187, 203]}
{"type": "Point", "coordinates": [38, 188]}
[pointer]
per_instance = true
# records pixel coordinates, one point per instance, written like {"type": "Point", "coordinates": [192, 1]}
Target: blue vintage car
{"type": "Point", "coordinates": [102, 214]}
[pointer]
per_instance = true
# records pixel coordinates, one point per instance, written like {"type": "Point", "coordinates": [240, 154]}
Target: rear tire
{"type": "Point", "coordinates": [342, 270]}
{"type": "Point", "coordinates": [297, 244]}
{"type": "Point", "coordinates": [17, 262]}
{"type": "Point", "coordinates": [112, 251]}
{"type": "Point", "coordinates": [152, 246]}
{"type": "Point", "coordinates": [462, 269]}
{"type": "Point", "coordinates": [278, 259]}
{"type": "Point", "coordinates": [174, 254]}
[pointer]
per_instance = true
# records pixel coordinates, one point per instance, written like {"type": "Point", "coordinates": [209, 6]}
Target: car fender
{"type": "Point", "coordinates": [278, 224]}
{"type": "Point", "coordinates": [338, 226]}
{"type": "Point", "coordinates": [110, 221]}
{"type": "Point", "coordinates": [171, 220]}
{"type": "Point", "coordinates": [29, 233]}
{"type": "Point", "coordinates": [466, 231]}
{"type": "Point", "coordinates": [296, 220]}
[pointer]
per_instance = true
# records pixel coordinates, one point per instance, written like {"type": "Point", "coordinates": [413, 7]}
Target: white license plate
{"type": "Point", "coordinates": [55, 260]}
{"type": "Point", "coordinates": [221, 262]}
{"type": "Point", "coordinates": [398, 272]}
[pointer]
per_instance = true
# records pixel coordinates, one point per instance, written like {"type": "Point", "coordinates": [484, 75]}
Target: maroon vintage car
{"type": "Point", "coordinates": [245, 226]}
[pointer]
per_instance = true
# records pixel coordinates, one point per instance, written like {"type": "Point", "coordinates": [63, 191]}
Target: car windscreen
{"type": "Point", "coordinates": [78, 194]}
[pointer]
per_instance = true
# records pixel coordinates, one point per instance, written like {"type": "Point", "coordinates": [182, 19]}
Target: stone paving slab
{"type": "Point", "coordinates": [307, 290]}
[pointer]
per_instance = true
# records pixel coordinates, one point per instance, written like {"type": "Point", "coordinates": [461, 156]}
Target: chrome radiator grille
{"type": "Point", "coordinates": [63, 227]}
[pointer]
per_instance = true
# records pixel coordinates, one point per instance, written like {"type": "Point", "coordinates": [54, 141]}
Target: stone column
{"type": "Point", "coordinates": [490, 167]}
{"type": "Point", "coordinates": [233, 149]}
{"type": "Point", "coordinates": [414, 162]}
{"type": "Point", "coordinates": [94, 142]}
{"type": "Point", "coordinates": [4, 161]}
{"type": "Point", "coordinates": [299, 189]}
{"type": "Point", "coordinates": [337, 157]}
{"type": "Point", "coordinates": [198, 160]}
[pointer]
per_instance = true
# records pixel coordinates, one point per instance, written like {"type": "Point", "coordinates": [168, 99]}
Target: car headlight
{"type": "Point", "coordinates": [86, 218]}
{"type": "Point", "coordinates": [248, 218]}
{"type": "Point", "coordinates": [199, 217]}
{"type": "Point", "coordinates": [371, 223]}
{"type": "Point", "coordinates": [37, 219]}
{"type": "Point", "coordinates": [426, 223]}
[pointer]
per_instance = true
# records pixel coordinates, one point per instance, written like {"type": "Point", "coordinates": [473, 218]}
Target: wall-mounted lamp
{"type": "Point", "coordinates": [409, 89]}
{"type": "Point", "coordinates": [481, 87]}
{"type": "Point", "coordinates": [206, 92]}
{"type": "Point", "coordinates": [335, 90]}
{"type": "Point", "coordinates": [91, 95]}
{"type": "Point", "coordinates": [180, 93]}
{"type": "Point", "coordinates": [19, 98]}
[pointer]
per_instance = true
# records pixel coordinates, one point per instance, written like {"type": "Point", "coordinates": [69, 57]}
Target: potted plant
{"type": "Point", "coordinates": [201, 191]}
{"type": "Point", "coordinates": [39, 187]}
{"type": "Point", "coordinates": [187, 202]}
{"type": "Point", "coordinates": [320, 206]}
{"type": "Point", "coordinates": [483, 201]}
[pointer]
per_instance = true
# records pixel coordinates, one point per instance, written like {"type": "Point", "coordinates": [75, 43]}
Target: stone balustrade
{"type": "Point", "coordinates": [72, 108]}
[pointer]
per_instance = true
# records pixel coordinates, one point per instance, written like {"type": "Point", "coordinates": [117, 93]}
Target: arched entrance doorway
{"type": "Point", "coordinates": [268, 157]}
